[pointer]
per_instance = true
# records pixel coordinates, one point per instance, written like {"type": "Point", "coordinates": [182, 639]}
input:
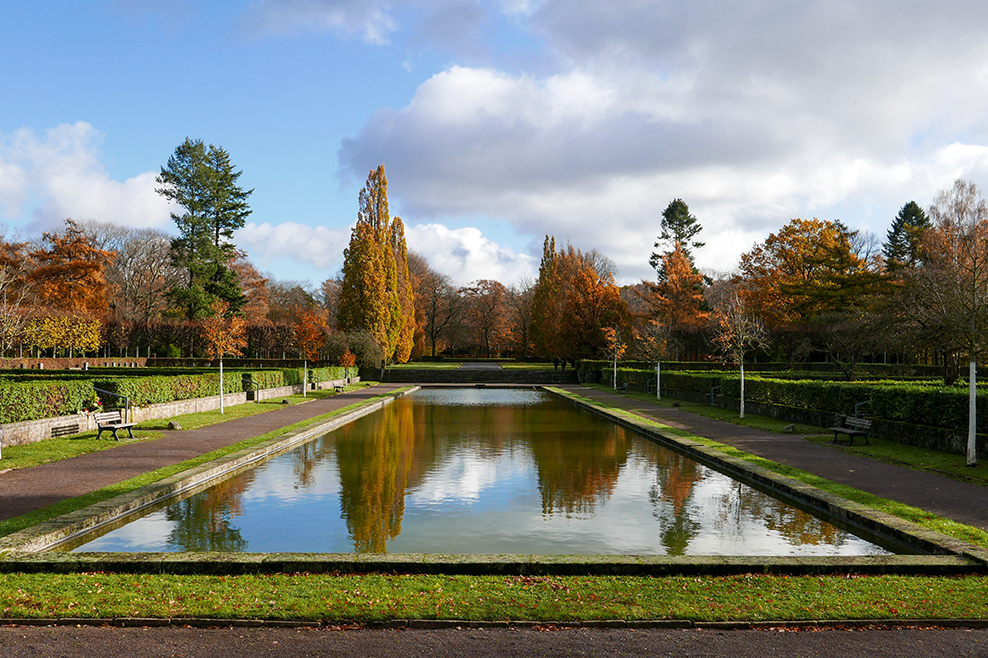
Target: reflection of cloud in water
{"type": "Point", "coordinates": [466, 475]}
{"type": "Point", "coordinates": [151, 534]}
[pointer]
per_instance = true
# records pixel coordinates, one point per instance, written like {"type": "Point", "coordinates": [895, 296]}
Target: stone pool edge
{"type": "Point", "coordinates": [24, 552]}
{"type": "Point", "coordinates": [42, 537]}
{"type": "Point", "coordinates": [937, 544]}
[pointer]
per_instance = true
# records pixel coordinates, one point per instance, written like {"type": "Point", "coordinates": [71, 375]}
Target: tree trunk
{"type": "Point", "coordinates": [222, 409]}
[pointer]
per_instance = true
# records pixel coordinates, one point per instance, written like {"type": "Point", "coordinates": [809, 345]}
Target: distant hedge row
{"type": "Point", "coordinates": [907, 402]}
{"type": "Point", "coordinates": [32, 400]}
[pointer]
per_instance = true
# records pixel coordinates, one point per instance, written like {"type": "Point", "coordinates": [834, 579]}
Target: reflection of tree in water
{"type": "Point", "coordinates": [675, 476]}
{"type": "Point", "coordinates": [795, 525]}
{"type": "Point", "coordinates": [202, 521]}
{"type": "Point", "coordinates": [307, 457]}
{"type": "Point", "coordinates": [578, 464]}
{"type": "Point", "coordinates": [374, 457]}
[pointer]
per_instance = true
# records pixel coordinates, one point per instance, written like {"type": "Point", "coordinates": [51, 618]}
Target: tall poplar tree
{"type": "Point", "coordinates": [371, 298]}
{"type": "Point", "coordinates": [545, 302]}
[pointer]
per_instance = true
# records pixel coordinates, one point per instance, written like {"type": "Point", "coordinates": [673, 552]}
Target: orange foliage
{"type": "Point", "coordinates": [308, 333]}
{"type": "Point", "coordinates": [677, 301]}
{"type": "Point", "coordinates": [223, 335]}
{"type": "Point", "coordinates": [70, 271]}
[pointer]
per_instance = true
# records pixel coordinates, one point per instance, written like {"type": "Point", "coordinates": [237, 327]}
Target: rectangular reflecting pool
{"type": "Point", "coordinates": [483, 471]}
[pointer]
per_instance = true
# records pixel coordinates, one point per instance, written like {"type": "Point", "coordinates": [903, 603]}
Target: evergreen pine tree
{"type": "Point", "coordinates": [678, 227]}
{"type": "Point", "coordinates": [901, 247]}
{"type": "Point", "coordinates": [203, 183]}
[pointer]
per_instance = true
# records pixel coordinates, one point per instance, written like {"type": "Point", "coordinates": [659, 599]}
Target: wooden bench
{"type": "Point", "coordinates": [623, 387]}
{"type": "Point", "coordinates": [110, 420]}
{"type": "Point", "coordinates": [853, 427]}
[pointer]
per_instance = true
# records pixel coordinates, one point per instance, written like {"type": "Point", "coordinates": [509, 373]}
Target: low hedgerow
{"type": "Point", "coordinates": [20, 401]}
{"type": "Point", "coordinates": [917, 403]}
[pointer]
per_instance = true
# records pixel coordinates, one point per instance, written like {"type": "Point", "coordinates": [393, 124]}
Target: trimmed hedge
{"type": "Point", "coordinates": [908, 402]}
{"type": "Point", "coordinates": [20, 401]}
{"type": "Point", "coordinates": [34, 399]}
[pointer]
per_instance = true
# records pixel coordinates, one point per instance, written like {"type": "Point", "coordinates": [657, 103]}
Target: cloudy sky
{"type": "Point", "coordinates": [498, 121]}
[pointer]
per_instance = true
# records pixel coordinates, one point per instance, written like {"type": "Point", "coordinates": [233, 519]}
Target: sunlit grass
{"type": "Point", "coordinates": [53, 450]}
{"type": "Point", "coordinates": [379, 597]}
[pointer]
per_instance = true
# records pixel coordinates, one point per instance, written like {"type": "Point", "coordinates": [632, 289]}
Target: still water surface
{"type": "Point", "coordinates": [483, 471]}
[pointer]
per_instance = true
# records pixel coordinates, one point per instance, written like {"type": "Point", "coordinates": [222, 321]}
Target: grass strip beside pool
{"type": "Point", "coordinates": [383, 597]}
{"type": "Point", "coordinates": [25, 521]}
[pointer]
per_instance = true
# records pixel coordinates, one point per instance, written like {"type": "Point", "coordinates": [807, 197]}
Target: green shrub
{"type": "Point", "coordinates": [20, 401]}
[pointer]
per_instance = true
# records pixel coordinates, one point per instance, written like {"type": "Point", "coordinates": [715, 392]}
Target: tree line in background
{"type": "Point", "coordinates": [814, 289]}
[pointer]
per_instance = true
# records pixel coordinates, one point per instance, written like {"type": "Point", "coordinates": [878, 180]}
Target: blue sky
{"type": "Point", "coordinates": [498, 121]}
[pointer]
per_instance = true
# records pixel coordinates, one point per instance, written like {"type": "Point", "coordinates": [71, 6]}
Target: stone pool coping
{"type": "Point", "coordinates": [27, 550]}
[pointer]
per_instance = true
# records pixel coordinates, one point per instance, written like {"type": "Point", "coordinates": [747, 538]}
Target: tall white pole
{"type": "Point", "coordinates": [222, 410]}
{"type": "Point", "coordinates": [658, 380]}
{"type": "Point", "coordinates": [305, 376]}
{"type": "Point", "coordinates": [972, 415]}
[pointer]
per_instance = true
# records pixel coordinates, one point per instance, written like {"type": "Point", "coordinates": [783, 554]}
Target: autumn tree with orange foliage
{"type": "Point", "coordinates": [808, 269]}
{"type": "Point", "coordinates": [223, 333]}
{"type": "Point", "coordinates": [676, 303]}
{"type": "Point", "coordinates": [69, 271]}
{"type": "Point", "coordinates": [574, 299]}
{"type": "Point", "coordinates": [308, 337]}
{"type": "Point", "coordinates": [593, 306]}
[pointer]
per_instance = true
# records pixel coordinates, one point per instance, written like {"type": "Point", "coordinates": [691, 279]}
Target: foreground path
{"type": "Point", "coordinates": [29, 489]}
{"type": "Point", "coordinates": [961, 501]}
{"type": "Point", "coordinates": [24, 642]}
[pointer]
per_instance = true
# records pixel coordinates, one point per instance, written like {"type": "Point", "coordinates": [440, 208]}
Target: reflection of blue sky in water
{"type": "Point", "coordinates": [467, 496]}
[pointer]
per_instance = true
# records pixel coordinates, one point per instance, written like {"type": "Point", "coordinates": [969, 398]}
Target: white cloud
{"type": "Point", "coordinates": [466, 255]}
{"type": "Point", "coordinates": [318, 246]}
{"type": "Point", "coordinates": [752, 113]}
{"type": "Point", "coordinates": [367, 18]}
{"type": "Point", "coordinates": [60, 175]}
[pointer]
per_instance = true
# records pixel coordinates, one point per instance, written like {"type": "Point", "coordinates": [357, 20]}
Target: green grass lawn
{"type": "Point", "coordinates": [377, 597]}
{"type": "Point", "coordinates": [426, 365]}
{"type": "Point", "coordinates": [53, 450]}
{"type": "Point", "coordinates": [756, 422]}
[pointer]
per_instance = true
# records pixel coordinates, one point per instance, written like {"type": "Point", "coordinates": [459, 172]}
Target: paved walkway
{"type": "Point", "coordinates": [29, 489]}
{"type": "Point", "coordinates": [954, 499]}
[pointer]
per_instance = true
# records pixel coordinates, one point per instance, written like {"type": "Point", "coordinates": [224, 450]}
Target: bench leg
{"type": "Point", "coordinates": [130, 431]}
{"type": "Point", "coordinates": [99, 432]}
{"type": "Point", "coordinates": [115, 437]}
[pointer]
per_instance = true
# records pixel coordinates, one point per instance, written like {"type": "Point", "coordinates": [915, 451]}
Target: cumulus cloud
{"type": "Point", "coordinates": [318, 246]}
{"type": "Point", "coordinates": [752, 113]}
{"type": "Point", "coordinates": [59, 174]}
{"type": "Point", "coordinates": [466, 255]}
